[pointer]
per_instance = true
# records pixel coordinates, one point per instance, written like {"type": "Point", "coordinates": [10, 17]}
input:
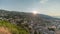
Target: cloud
{"type": "Point", "coordinates": [43, 1]}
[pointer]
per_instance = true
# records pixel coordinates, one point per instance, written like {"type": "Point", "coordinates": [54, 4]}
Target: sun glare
{"type": "Point", "coordinates": [34, 12]}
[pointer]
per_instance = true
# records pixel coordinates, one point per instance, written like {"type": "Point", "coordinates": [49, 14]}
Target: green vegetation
{"type": "Point", "coordinates": [13, 28]}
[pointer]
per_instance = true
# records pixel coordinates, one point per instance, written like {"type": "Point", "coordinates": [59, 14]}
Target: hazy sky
{"type": "Point", "coordinates": [49, 7]}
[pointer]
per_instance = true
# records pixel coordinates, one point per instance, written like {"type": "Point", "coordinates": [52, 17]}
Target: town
{"type": "Point", "coordinates": [35, 24]}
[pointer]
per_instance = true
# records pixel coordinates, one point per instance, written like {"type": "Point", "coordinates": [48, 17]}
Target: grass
{"type": "Point", "coordinates": [12, 28]}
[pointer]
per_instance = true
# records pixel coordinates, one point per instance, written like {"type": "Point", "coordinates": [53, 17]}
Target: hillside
{"type": "Point", "coordinates": [8, 28]}
{"type": "Point", "coordinates": [28, 21]}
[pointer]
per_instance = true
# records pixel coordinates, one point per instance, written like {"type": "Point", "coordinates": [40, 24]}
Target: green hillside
{"type": "Point", "coordinates": [12, 28]}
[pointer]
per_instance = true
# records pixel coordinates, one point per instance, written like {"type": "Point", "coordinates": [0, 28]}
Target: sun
{"type": "Point", "coordinates": [35, 12]}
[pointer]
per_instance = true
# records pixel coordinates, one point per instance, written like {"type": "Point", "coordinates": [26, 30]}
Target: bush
{"type": "Point", "coordinates": [13, 28]}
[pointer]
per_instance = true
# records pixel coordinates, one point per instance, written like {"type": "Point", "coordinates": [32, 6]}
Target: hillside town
{"type": "Point", "coordinates": [35, 24]}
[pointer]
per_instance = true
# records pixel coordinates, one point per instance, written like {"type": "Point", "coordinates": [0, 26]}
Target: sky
{"type": "Point", "coordinates": [48, 7]}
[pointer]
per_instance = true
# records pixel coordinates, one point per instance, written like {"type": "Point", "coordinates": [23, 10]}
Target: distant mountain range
{"type": "Point", "coordinates": [56, 16]}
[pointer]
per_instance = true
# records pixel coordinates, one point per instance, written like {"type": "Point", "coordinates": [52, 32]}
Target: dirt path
{"type": "Point", "coordinates": [4, 30]}
{"type": "Point", "coordinates": [58, 32]}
